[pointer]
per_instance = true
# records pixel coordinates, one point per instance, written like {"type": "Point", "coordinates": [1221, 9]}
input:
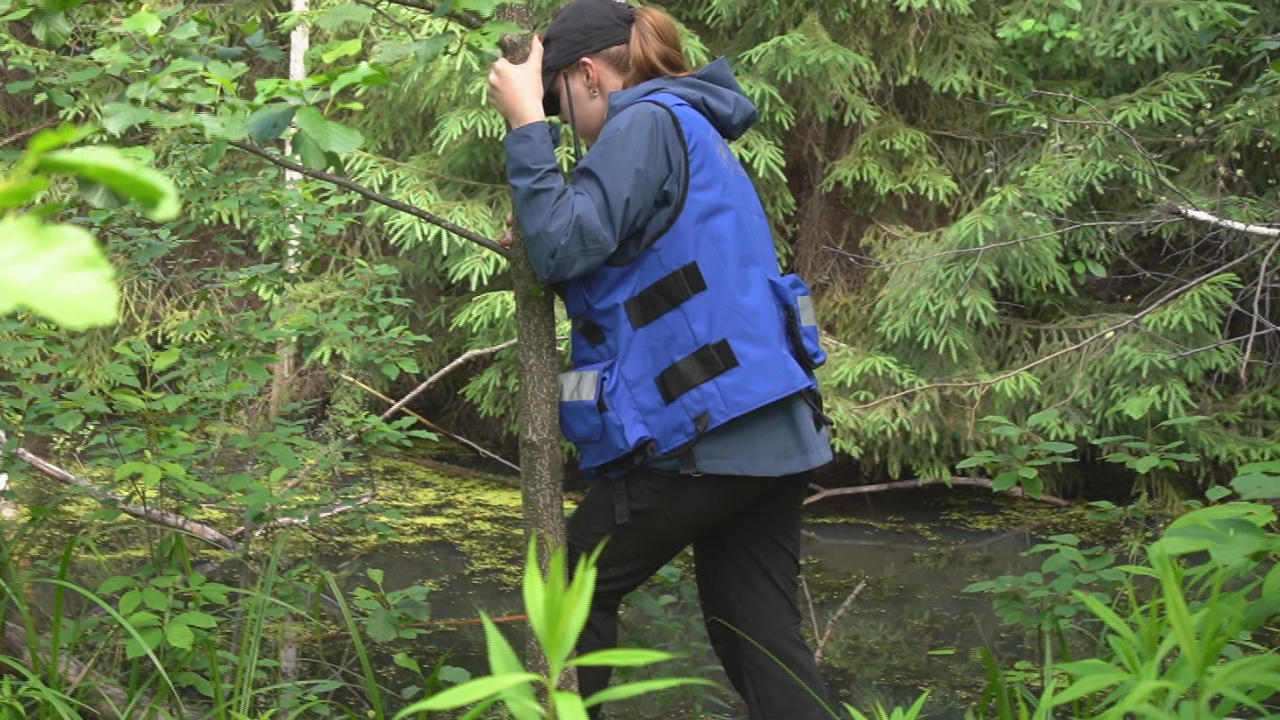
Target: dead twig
{"type": "Point", "coordinates": [831, 624]}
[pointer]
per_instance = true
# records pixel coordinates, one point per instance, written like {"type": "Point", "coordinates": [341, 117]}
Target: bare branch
{"type": "Point", "coordinates": [31, 131]}
{"type": "Point", "coordinates": [289, 522]}
{"type": "Point", "coordinates": [373, 195]}
{"type": "Point", "coordinates": [831, 624]}
{"type": "Point", "coordinates": [464, 357]}
{"type": "Point", "coordinates": [1257, 313]}
{"type": "Point", "coordinates": [912, 484]}
{"type": "Point", "coordinates": [1202, 216]}
{"type": "Point", "coordinates": [430, 424]}
{"type": "Point", "coordinates": [466, 19]}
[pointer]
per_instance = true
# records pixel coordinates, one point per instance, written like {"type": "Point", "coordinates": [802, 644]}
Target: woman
{"type": "Point", "coordinates": [692, 402]}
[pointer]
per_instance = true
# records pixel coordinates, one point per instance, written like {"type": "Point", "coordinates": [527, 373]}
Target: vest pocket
{"type": "Point", "coordinates": [801, 320]}
{"type": "Point", "coordinates": [582, 403]}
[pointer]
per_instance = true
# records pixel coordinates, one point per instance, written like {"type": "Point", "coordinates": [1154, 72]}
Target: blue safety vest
{"type": "Point", "coordinates": [696, 328]}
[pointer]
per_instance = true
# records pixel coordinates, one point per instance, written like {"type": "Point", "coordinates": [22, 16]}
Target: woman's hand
{"type": "Point", "coordinates": [516, 90]}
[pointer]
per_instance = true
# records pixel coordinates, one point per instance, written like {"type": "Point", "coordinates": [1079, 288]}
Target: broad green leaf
{"type": "Point", "coordinates": [142, 21]}
{"type": "Point", "coordinates": [51, 27]}
{"type": "Point", "coordinates": [534, 591]}
{"type": "Point", "coordinates": [403, 660]}
{"type": "Point", "coordinates": [57, 271]}
{"type": "Point", "coordinates": [310, 153]}
{"type": "Point", "coordinates": [197, 619]}
{"type": "Point", "coordinates": [1043, 417]}
{"type": "Point", "coordinates": [130, 178]}
{"type": "Point", "coordinates": [62, 136]}
{"type": "Point", "coordinates": [342, 49]}
{"type": "Point", "coordinates": [622, 657]}
{"type": "Point", "coordinates": [166, 359]}
{"type": "Point", "coordinates": [382, 626]}
{"type": "Point", "coordinates": [118, 117]}
{"type": "Point", "coordinates": [69, 420]}
{"type": "Point", "coordinates": [270, 122]}
{"type": "Point", "coordinates": [329, 135]}
{"type": "Point", "coordinates": [1145, 464]}
{"type": "Point", "coordinates": [179, 635]}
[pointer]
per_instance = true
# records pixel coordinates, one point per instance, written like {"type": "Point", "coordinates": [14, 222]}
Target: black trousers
{"type": "Point", "coordinates": [745, 533]}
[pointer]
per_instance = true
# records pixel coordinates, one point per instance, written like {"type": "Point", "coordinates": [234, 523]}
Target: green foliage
{"type": "Point", "coordinates": [557, 607]}
{"type": "Point", "coordinates": [57, 269]}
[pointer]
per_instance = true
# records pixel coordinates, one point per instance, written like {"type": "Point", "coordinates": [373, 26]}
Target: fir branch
{"type": "Point", "coordinates": [373, 195]}
{"type": "Point", "coordinates": [992, 246]}
{"type": "Point", "coordinates": [1101, 334]}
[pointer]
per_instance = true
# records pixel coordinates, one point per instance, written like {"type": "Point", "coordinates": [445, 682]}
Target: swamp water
{"type": "Point", "coordinates": [910, 627]}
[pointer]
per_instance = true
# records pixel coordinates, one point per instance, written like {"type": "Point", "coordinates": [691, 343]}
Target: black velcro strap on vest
{"type": "Point", "coordinates": [665, 295]}
{"type": "Point", "coordinates": [687, 373]}
{"type": "Point", "coordinates": [591, 331]}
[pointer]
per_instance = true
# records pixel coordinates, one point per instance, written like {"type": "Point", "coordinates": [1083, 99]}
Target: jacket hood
{"type": "Point", "coordinates": [712, 91]}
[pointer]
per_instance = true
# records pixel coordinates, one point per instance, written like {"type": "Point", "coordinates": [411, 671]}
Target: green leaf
{"type": "Point", "coordinates": [1146, 463]}
{"type": "Point", "coordinates": [329, 135]}
{"type": "Point", "coordinates": [130, 178]}
{"type": "Point", "coordinates": [622, 657]}
{"type": "Point", "coordinates": [382, 626]}
{"type": "Point", "coordinates": [154, 599]}
{"type": "Point", "coordinates": [310, 153]}
{"type": "Point", "coordinates": [453, 675]}
{"type": "Point", "coordinates": [166, 359]}
{"type": "Point", "coordinates": [376, 575]}
{"type": "Point", "coordinates": [468, 692]}
{"type": "Point", "coordinates": [142, 21]}
{"type": "Point", "coordinates": [270, 122]}
{"type": "Point", "coordinates": [1184, 420]}
{"type": "Point", "coordinates": [179, 635]}
{"type": "Point", "coordinates": [198, 619]}
{"type": "Point", "coordinates": [640, 687]}
{"type": "Point", "coordinates": [57, 271]}
{"type": "Point", "coordinates": [51, 27]}
{"type": "Point", "coordinates": [69, 420]}
{"type": "Point", "coordinates": [1043, 417]}
{"type": "Point", "coordinates": [15, 193]}
{"type": "Point", "coordinates": [403, 660]}
{"type": "Point", "coordinates": [118, 117]}
{"type": "Point", "coordinates": [342, 49]}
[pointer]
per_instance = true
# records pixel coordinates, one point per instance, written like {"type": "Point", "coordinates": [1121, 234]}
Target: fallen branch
{"type": "Point", "coordinates": [293, 522]}
{"type": "Point", "coordinates": [831, 624]}
{"type": "Point", "coordinates": [106, 497]}
{"type": "Point", "coordinates": [432, 425]}
{"type": "Point", "coordinates": [912, 484]}
{"type": "Point", "coordinates": [457, 362]}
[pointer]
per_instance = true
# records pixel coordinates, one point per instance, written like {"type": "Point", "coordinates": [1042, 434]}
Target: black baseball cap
{"type": "Point", "coordinates": [579, 29]}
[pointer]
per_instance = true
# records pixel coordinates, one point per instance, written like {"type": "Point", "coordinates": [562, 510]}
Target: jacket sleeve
{"type": "Point", "coordinates": [570, 229]}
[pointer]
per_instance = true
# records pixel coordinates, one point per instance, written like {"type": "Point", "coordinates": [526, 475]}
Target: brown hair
{"type": "Point", "coordinates": [654, 51]}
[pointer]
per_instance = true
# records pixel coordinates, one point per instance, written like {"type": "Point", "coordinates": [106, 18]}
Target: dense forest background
{"type": "Point", "coordinates": [977, 191]}
{"type": "Point", "coordinates": [1041, 235]}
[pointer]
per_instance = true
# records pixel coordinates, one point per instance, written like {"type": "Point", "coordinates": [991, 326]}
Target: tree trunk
{"type": "Point", "coordinates": [541, 464]}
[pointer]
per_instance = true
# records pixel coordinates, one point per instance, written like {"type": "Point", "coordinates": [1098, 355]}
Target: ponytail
{"type": "Point", "coordinates": [654, 51]}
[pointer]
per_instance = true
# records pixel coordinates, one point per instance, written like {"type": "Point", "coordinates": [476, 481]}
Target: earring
{"type": "Point", "coordinates": [593, 92]}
